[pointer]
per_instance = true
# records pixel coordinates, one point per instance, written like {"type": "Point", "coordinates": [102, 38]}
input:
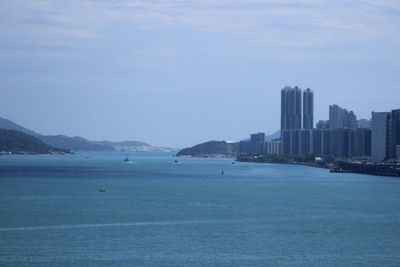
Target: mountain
{"type": "Point", "coordinates": [275, 135]}
{"type": "Point", "coordinates": [122, 143]}
{"type": "Point", "coordinates": [74, 143]}
{"type": "Point", "coordinates": [215, 148]}
{"type": "Point", "coordinates": [135, 146]}
{"type": "Point", "coordinates": [211, 148]}
{"type": "Point", "coordinates": [7, 124]}
{"type": "Point", "coordinates": [81, 144]}
{"type": "Point", "coordinates": [18, 142]}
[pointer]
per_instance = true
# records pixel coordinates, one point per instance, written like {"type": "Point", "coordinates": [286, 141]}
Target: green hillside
{"type": "Point", "coordinates": [19, 142]}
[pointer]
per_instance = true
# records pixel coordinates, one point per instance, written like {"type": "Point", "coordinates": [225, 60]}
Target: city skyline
{"type": "Point", "coordinates": [177, 73]}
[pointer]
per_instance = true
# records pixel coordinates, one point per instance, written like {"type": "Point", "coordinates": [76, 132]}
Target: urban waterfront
{"type": "Point", "coordinates": [95, 209]}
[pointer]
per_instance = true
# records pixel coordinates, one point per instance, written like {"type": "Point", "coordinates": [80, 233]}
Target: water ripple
{"type": "Point", "coordinates": [96, 225]}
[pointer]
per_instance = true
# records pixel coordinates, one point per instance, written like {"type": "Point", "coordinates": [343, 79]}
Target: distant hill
{"type": "Point", "coordinates": [7, 124]}
{"type": "Point", "coordinates": [81, 144]}
{"type": "Point", "coordinates": [122, 143]}
{"type": "Point", "coordinates": [209, 149]}
{"type": "Point", "coordinates": [275, 135]}
{"type": "Point", "coordinates": [134, 146]}
{"type": "Point", "coordinates": [19, 142]}
{"type": "Point", "coordinates": [74, 143]}
{"type": "Point", "coordinates": [213, 148]}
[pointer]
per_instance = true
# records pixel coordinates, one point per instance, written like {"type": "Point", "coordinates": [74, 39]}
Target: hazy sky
{"type": "Point", "coordinates": [176, 73]}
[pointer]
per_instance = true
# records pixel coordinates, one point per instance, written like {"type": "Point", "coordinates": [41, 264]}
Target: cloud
{"type": "Point", "coordinates": [83, 24]}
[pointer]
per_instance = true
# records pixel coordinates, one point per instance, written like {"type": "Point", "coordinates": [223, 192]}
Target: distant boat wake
{"type": "Point", "coordinates": [97, 225]}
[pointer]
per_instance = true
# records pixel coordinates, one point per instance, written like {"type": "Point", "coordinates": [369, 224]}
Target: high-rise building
{"type": "Point", "coordinates": [320, 142]}
{"type": "Point", "coordinates": [340, 118]}
{"type": "Point", "coordinates": [363, 123]}
{"type": "Point", "coordinates": [290, 108]}
{"type": "Point", "coordinates": [308, 109]}
{"type": "Point", "coordinates": [305, 145]}
{"type": "Point", "coordinates": [362, 142]}
{"type": "Point", "coordinates": [322, 125]}
{"type": "Point", "coordinates": [394, 133]}
{"type": "Point", "coordinates": [380, 127]}
{"type": "Point", "coordinates": [336, 117]}
{"type": "Point", "coordinates": [272, 147]}
{"type": "Point", "coordinates": [257, 141]}
{"type": "Point", "coordinates": [398, 152]}
{"type": "Point", "coordinates": [341, 143]}
{"type": "Point", "coordinates": [350, 121]}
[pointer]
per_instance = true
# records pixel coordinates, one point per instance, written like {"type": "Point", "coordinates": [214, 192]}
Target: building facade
{"type": "Point", "coordinates": [340, 118]}
{"type": "Point", "coordinates": [394, 133]}
{"type": "Point", "coordinates": [380, 126]}
{"type": "Point", "coordinates": [257, 141]}
{"type": "Point", "coordinates": [308, 109]}
{"type": "Point", "coordinates": [290, 108]}
{"type": "Point", "coordinates": [272, 147]}
{"type": "Point", "coordinates": [362, 142]}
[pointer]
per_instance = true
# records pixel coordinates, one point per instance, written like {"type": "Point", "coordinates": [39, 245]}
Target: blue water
{"type": "Point", "coordinates": [158, 213]}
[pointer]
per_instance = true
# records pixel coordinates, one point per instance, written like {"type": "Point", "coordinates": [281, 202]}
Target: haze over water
{"type": "Point", "coordinates": [159, 213]}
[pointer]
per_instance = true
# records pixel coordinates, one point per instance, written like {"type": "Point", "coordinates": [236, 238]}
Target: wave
{"type": "Point", "coordinates": [96, 225]}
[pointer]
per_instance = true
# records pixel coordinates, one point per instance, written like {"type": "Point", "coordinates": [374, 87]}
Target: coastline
{"type": "Point", "coordinates": [289, 163]}
{"type": "Point", "coordinates": [212, 156]}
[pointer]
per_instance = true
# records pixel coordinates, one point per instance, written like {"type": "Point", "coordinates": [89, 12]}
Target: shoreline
{"type": "Point", "coordinates": [289, 163]}
{"type": "Point", "coordinates": [208, 157]}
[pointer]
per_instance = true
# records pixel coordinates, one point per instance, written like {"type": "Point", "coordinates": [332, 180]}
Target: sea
{"type": "Point", "coordinates": [95, 209]}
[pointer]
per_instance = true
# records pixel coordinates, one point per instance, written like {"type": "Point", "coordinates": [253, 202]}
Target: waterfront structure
{"type": "Point", "coordinates": [394, 135]}
{"type": "Point", "coordinates": [380, 127]}
{"type": "Point", "coordinates": [386, 169]}
{"type": "Point", "coordinates": [308, 109]}
{"type": "Point", "coordinates": [290, 108]}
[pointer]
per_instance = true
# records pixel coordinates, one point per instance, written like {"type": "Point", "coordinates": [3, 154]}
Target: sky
{"type": "Point", "coordinates": [181, 72]}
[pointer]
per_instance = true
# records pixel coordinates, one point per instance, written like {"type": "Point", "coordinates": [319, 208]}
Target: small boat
{"type": "Point", "coordinates": [102, 190]}
{"type": "Point", "coordinates": [222, 172]}
{"type": "Point", "coordinates": [336, 170]}
{"type": "Point", "coordinates": [233, 162]}
{"type": "Point", "coordinates": [126, 159]}
{"type": "Point", "coordinates": [175, 161]}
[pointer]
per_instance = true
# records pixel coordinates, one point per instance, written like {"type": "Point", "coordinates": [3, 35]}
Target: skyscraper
{"type": "Point", "coordinates": [308, 109]}
{"type": "Point", "coordinates": [394, 133]}
{"type": "Point", "coordinates": [322, 125]}
{"type": "Point", "coordinates": [336, 117]}
{"type": "Point", "coordinates": [340, 118]}
{"type": "Point", "coordinates": [351, 120]}
{"type": "Point", "coordinates": [257, 141]}
{"type": "Point", "coordinates": [380, 123]}
{"type": "Point", "coordinates": [362, 142]}
{"type": "Point", "coordinates": [290, 108]}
